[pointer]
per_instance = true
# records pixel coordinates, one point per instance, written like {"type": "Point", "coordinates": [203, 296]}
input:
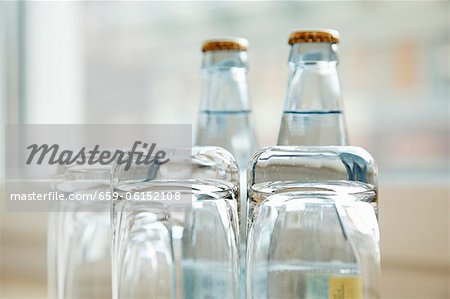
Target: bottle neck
{"type": "Point", "coordinates": [313, 81]}
{"type": "Point", "coordinates": [225, 82]}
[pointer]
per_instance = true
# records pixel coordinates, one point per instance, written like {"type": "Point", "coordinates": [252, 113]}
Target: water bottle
{"type": "Point", "coordinates": [313, 110]}
{"type": "Point", "coordinates": [224, 118]}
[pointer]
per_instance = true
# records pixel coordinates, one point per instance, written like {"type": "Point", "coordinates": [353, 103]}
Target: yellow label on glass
{"type": "Point", "coordinates": [345, 287]}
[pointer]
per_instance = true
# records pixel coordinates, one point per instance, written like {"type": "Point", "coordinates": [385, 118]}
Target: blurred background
{"type": "Point", "coordinates": [139, 62]}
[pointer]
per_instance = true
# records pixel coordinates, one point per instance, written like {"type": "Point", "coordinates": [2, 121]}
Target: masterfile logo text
{"type": "Point", "coordinates": [53, 162]}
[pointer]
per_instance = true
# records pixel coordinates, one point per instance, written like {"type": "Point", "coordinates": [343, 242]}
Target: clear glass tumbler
{"type": "Point", "coordinates": [79, 235]}
{"type": "Point", "coordinates": [312, 224]}
{"type": "Point", "coordinates": [313, 246]}
{"type": "Point", "coordinates": [185, 248]}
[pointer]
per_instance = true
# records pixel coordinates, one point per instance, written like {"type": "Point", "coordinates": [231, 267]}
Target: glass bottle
{"type": "Point", "coordinates": [313, 110]}
{"type": "Point", "coordinates": [224, 118]}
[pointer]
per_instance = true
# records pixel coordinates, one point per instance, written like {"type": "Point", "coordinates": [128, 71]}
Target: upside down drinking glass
{"type": "Point", "coordinates": [312, 224]}
{"type": "Point", "coordinates": [313, 246]}
{"type": "Point", "coordinates": [182, 247]}
{"type": "Point", "coordinates": [79, 235]}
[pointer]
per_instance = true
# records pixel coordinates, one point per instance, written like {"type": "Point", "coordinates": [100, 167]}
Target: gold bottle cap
{"type": "Point", "coordinates": [225, 44]}
{"type": "Point", "coordinates": [314, 36]}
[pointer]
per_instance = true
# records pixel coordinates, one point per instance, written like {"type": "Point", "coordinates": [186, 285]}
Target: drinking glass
{"type": "Point", "coordinates": [313, 246]}
{"type": "Point", "coordinates": [183, 247]}
{"type": "Point", "coordinates": [312, 223]}
{"type": "Point", "coordinates": [79, 235]}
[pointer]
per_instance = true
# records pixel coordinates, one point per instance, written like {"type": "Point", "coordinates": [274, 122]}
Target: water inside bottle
{"type": "Point", "coordinates": [307, 280]}
{"type": "Point", "coordinates": [207, 280]}
{"type": "Point", "coordinates": [230, 130]}
{"type": "Point", "coordinates": [312, 128]}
